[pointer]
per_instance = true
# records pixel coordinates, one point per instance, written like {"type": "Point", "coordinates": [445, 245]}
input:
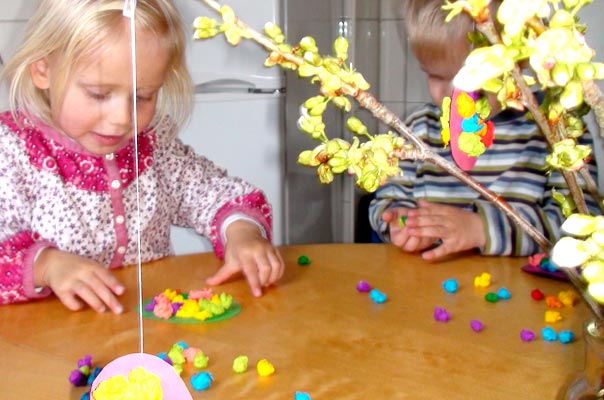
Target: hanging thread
{"type": "Point", "coordinates": [129, 12]}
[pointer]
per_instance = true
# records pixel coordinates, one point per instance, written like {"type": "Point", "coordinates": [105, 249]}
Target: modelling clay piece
{"type": "Point", "coordinates": [553, 302]}
{"type": "Point", "coordinates": [265, 368]}
{"type": "Point", "coordinates": [527, 335]}
{"type": "Point", "coordinates": [441, 315]}
{"type": "Point", "coordinates": [491, 297]}
{"type": "Point", "coordinates": [476, 325]}
{"type": "Point", "coordinates": [95, 372]}
{"type": "Point", "coordinates": [201, 360]}
{"type": "Point", "coordinates": [535, 259]}
{"type": "Point", "coordinates": [201, 380]}
{"type": "Point", "coordinates": [504, 294]}
{"type": "Point", "coordinates": [301, 396]}
{"type": "Point", "coordinates": [566, 337]}
{"type": "Point", "coordinates": [240, 364]}
{"type": "Point", "coordinates": [163, 307]}
{"type": "Point", "coordinates": [552, 316]}
{"type": "Point", "coordinates": [140, 375]}
{"type": "Point", "coordinates": [568, 297]}
{"type": "Point", "coordinates": [450, 285]}
{"type": "Point", "coordinates": [194, 307]}
{"type": "Point", "coordinates": [537, 294]}
{"type": "Point", "coordinates": [139, 384]}
{"type": "Point", "coordinates": [164, 356]}
{"type": "Point", "coordinates": [189, 353]}
{"type": "Point", "coordinates": [483, 280]}
{"type": "Point", "coordinates": [303, 260]}
{"type": "Point", "coordinates": [465, 128]}
{"type": "Point", "coordinates": [549, 334]}
{"type": "Point", "coordinates": [377, 296]}
{"type": "Point", "coordinates": [79, 376]}
{"type": "Point", "coordinates": [363, 286]}
{"type": "Point", "coordinates": [401, 221]}
{"type": "Point", "coordinates": [176, 354]}
{"type": "Point", "coordinates": [546, 265]}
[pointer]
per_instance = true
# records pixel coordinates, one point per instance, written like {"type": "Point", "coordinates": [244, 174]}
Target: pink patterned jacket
{"type": "Point", "coordinates": [55, 194]}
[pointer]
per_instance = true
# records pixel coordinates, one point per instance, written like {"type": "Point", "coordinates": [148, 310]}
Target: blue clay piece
{"type": "Point", "coordinates": [549, 334]}
{"type": "Point", "coordinates": [201, 380]}
{"type": "Point", "coordinates": [504, 294]}
{"type": "Point", "coordinates": [471, 125]}
{"type": "Point", "coordinates": [377, 296]}
{"type": "Point", "coordinates": [566, 337]}
{"type": "Point", "coordinates": [450, 285]}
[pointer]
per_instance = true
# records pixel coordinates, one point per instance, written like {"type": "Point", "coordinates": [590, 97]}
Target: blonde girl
{"type": "Point", "coordinates": [68, 178]}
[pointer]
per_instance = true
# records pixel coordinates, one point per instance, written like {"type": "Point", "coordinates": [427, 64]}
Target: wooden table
{"type": "Point", "coordinates": [323, 336]}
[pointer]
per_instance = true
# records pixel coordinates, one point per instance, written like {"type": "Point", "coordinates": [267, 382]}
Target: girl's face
{"type": "Point", "coordinates": [97, 107]}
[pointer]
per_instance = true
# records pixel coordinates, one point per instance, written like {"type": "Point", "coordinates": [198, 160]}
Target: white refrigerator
{"type": "Point", "coordinates": [238, 119]}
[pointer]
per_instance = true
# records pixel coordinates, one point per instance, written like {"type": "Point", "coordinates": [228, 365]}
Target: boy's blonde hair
{"type": "Point", "coordinates": [429, 36]}
{"type": "Point", "coordinates": [71, 30]}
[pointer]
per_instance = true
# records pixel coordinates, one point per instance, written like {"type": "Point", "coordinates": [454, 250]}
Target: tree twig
{"type": "Point", "coordinates": [370, 103]}
{"type": "Point", "coordinates": [595, 99]}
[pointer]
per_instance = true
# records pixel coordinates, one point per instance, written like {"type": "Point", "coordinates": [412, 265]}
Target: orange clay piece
{"type": "Point", "coordinates": [553, 302]}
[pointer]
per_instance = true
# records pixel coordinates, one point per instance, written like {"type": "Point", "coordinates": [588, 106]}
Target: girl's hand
{"type": "Point", "coordinates": [399, 235]}
{"type": "Point", "coordinates": [76, 281]}
{"type": "Point", "coordinates": [457, 228]}
{"type": "Point", "coordinates": [248, 252]}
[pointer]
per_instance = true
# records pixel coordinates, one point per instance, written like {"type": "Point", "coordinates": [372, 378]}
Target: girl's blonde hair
{"type": "Point", "coordinates": [71, 30]}
{"type": "Point", "coordinates": [429, 36]}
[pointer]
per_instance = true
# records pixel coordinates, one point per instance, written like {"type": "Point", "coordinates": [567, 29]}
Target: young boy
{"type": "Point", "coordinates": [443, 216]}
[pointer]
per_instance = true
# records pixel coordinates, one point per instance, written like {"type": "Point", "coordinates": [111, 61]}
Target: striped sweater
{"type": "Point", "coordinates": [513, 167]}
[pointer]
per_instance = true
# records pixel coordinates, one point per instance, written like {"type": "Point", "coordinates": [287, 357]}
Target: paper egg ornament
{"type": "Point", "coordinates": [141, 375]}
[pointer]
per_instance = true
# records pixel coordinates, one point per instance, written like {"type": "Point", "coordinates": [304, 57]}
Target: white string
{"type": "Point", "coordinates": [129, 11]}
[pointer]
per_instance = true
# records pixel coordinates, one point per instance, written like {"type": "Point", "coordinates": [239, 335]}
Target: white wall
{"type": "Point", "coordinates": [13, 16]}
{"type": "Point", "coordinates": [591, 15]}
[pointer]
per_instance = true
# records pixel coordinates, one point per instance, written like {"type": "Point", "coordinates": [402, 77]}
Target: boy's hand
{"type": "Point", "coordinates": [399, 235]}
{"type": "Point", "coordinates": [248, 252]}
{"type": "Point", "coordinates": [76, 281]}
{"type": "Point", "coordinates": [458, 229]}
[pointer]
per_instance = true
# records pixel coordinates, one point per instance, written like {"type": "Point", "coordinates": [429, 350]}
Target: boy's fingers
{"type": "Point", "coordinates": [388, 215]}
{"type": "Point", "coordinates": [435, 253]}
